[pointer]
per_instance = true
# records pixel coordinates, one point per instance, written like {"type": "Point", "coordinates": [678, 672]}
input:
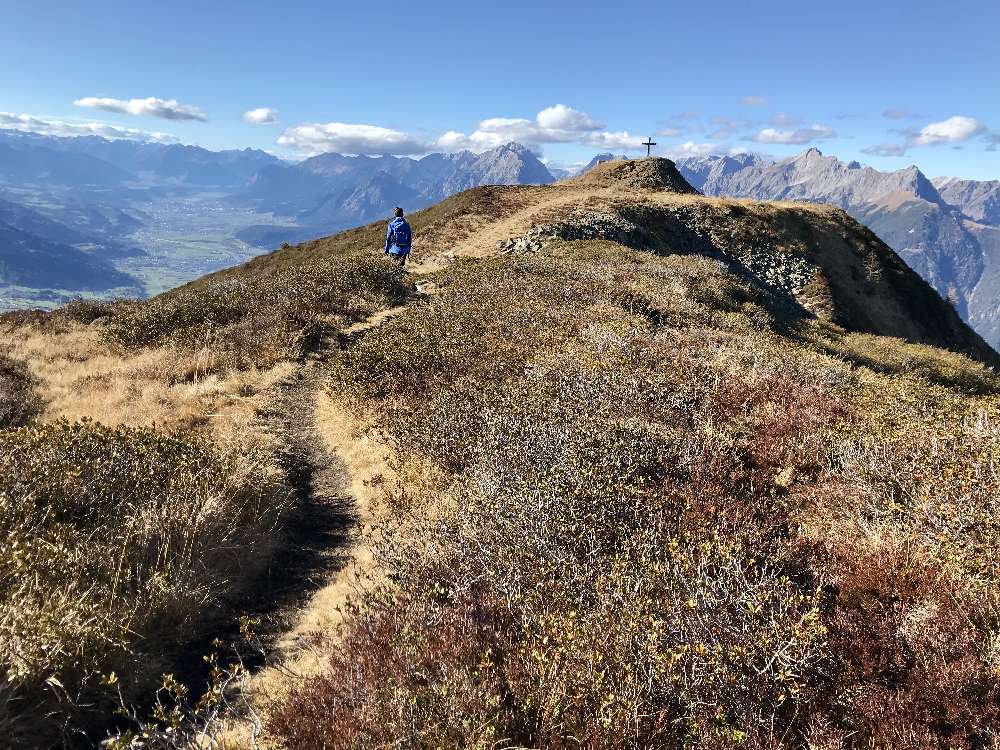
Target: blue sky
{"type": "Point", "coordinates": [886, 82]}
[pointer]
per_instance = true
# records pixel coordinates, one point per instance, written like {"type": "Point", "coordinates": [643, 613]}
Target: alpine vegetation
{"type": "Point", "coordinates": [608, 464]}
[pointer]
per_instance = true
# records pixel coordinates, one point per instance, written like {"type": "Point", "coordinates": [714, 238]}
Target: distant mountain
{"type": "Point", "coordinates": [377, 197]}
{"type": "Point", "coordinates": [31, 261]}
{"type": "Point", "coordinates": [333, 191]}
{"type": "Point", "coordinates": [704, 171]}
{"type": "Point", "coordinates": [35, 223]}
{"type": "Point", "coordinates": [190, 165]}
{"type": "Point", "coordinates": [949, 236]}
{"type": "Point", "coordinates": [91, 160]}
{"type": "Point", "coordinates": [32, 222]}
{"type": "Point", "coordinates": [809, 176]}
{"type": "Point", "coordinates": [977, 200]}
{"type": "Point", "coordinates": [39, 161]}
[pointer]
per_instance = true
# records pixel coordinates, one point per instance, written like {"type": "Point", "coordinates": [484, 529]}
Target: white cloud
{"type": "Point", "coordinates": [613, 140]}
{"type": "Point", "coordinates": [754, 101]}
{"type": "Point", "coordinates": [784, 120]}
{"type": "Point", "coordinates": [261, 116]}
{"type": "Point", "coordinates": [151, 106]}
{"type": "Point", "coordinates": [561, 117]}
{"type": "Point", "coordinates": [952, 130]}
{"type": "Point", "coordinates": [726, 128]}
{"type": "Point", "coordinates": [41, 126]}
{"type": "Point", "coordinates": [349, 138]}
{"type": "Point", "coordinates": [669, 132]}
{"type": "Point", "coordinates": [557, 124]}
{"type": "Point", "coordinates": [797, 137]}
{"type": "Point", "coordinates": [453, 141]}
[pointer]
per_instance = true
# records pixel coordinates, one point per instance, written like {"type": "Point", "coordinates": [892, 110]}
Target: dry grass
{"type": "Point", "coordinates": [80, 376]}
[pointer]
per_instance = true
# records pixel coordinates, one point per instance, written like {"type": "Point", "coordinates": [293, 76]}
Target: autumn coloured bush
{"type": "Point", "coordinates": [646, 505]}
{"type": "Point", "coordinates": [258, 319]}
{"type": "Point", "coordinates": [114, 544]}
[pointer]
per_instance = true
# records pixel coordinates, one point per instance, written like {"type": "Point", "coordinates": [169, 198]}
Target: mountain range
{"type": "Point", "coordinates": [102, 198]}
{"type": "Point", "coordinates": [332, 191]}
{"type": "Point", "coordinates": [111, 199]}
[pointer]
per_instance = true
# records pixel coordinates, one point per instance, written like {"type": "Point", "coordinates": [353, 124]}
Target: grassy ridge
{"type": "Point", "coordinates": [643, 507]}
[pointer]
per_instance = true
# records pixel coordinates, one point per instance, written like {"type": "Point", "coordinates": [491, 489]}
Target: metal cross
{"type": "Point", "coordinates": [648, 143]}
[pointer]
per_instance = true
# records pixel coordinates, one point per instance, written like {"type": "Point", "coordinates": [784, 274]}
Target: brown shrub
{"type": "Point", "coordinates": [912, 653]}
{"type": "Point", "coordinates": [257, 319]}
{"type": "Point", "coordinates": [19, 401]}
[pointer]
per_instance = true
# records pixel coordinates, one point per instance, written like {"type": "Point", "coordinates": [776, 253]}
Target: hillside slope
{"type": "Point", "coordinates": [816, 256]}
{"type": "Point", "coordinates": [925, 221]}
{"type": "Point", "coordinates": [636, 467]}
{"type": "Point", "coordinates": [30, 260]}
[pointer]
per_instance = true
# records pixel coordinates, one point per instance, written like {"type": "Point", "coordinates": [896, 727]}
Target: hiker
{"type": "Point", "coordinates": [398, 238]}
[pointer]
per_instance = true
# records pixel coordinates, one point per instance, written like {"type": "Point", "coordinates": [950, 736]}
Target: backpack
{"type": "Point", "coordinates": [401, 235]}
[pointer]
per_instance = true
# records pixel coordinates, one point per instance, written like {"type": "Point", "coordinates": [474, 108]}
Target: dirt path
{"type": "Point", "coordinates": [483, 243]}
{"type": "Point", "coordinates": [331, 461]}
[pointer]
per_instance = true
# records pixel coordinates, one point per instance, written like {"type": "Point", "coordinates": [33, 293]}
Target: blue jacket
{"type": "Point", "coordinates": [390, 237]}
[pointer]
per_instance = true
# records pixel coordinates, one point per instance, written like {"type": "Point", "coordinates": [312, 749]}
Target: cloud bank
{"type": "Point", "coordinates": [954, 130]}
{"type": "Point", "coordinates": [41, 126]}
{"type": "Point", "coordinates": [556, 124]}
{"type": "Point", "coordinates": [151, 106]}
{"type": "Point", "coordinates": [346, 138]}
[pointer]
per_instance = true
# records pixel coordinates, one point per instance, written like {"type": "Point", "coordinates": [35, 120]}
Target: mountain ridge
{"type": "Point", "coordinates": [904, 207]}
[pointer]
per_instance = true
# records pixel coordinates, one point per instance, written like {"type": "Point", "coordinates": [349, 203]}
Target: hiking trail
{"type": "Point", "coordinates": [331, 461]}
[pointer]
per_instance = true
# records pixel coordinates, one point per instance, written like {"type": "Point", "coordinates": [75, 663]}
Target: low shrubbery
{"type": "Point", "coordinates": [586, 587]}
{"type": "Point", "coordinates": [660, 519]}
{"type": "Point", "coordinates": [19, 401]}
{"type": "Point", "coordinates": [259, 318]}
{"type": "Point", "coordinates": [114, 543]}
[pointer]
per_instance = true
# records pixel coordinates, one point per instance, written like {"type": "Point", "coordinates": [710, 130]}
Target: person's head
{"type": "Point", "coordinates": [398, 213]}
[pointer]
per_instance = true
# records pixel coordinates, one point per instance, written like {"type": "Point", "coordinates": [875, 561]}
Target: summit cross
{"type": "Point", "coordinates": [648, 143]}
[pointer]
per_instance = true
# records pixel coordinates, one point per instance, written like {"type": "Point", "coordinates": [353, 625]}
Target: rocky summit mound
{"type": "Point", "coordinates": [639, 174]}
